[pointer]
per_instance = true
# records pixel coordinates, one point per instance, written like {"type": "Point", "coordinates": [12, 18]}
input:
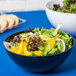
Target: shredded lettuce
{"type": "Point", "coordinates": [22, 35]}
{"type": "Point", "coordinates": [32, 53]}
{"type": "Point", "coordinates": [36, 30]}
{"type": "Point", "coordinates": [73, 8]}
{"type": "Point", "coordinates": [45, 53]}
{"type": "Point", "coordinates": [59, 45]}
{"type": "Point", "coordinates": [65, 4]}
{"type": "Point", "coordinates": [53, 51]}
{"type": "Point", "coordinates": [15, 45]}
{"type": "Point", "coordinates": [41, 48]}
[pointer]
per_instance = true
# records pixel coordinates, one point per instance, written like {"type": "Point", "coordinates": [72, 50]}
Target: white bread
{"type": "Point", "coordinates": [9, 19]}
{"type": "Point", "coordinates": [3, 25]}
{"type": "Point", "coordinates": [15, 18]}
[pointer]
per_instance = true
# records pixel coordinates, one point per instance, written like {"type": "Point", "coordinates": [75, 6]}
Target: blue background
{"type": "Point", "coordinates": [33, 19]}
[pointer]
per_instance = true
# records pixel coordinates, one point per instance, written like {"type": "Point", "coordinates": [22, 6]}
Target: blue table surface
{"type": "Point", "coordinates": [33, 19]}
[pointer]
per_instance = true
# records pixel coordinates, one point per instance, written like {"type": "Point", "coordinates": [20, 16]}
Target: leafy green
{"type": "Point", "coordinates": [32, 53]}
{"type": "Point", "coordinates": [65, 4]}
{"type": "Point", "coordinates": [73, 8]}
{"type": "Point", "coordinates": [50, 8]}
{"type": "Point", "coordinates": [41, 48]}
{"type": "Point", "coordinates": [45, 53]}
{"type": "Point", "coordinates": [59, 10]}
{"type": "Point", "coordinates": [53, 51]}
{"type": "Point", "coordinates": [68, 7]}
{"type": "Point", "coordinates": [64, 36]}
{"type": "Point", "coordinates": [60, 45]}
{"type": "Point", "coordinates": [45, 48]}
{"type": "Point", "coordinates": [22, 35]}
{"type": "Point", "coordinates": [36, 30]}
{"type": "Point", "coordinates": [15, 45]}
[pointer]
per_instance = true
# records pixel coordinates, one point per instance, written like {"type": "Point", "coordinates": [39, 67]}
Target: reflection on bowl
{"type": "Point", "coordinates": [37, 63]}
{"type": "Point", "coordinates": [66, 19]}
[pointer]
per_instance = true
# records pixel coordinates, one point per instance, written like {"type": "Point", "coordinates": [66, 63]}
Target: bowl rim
{"type": "Point", "coordinates": [34, 56]}
{"type": "Point", "coordinates": [45, 7]}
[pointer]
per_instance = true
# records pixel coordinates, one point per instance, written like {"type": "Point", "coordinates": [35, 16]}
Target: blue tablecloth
{"type": "Point", "coordinates": [33, 19]}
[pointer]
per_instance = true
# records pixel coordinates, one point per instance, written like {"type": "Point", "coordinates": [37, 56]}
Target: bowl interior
{"type": "Point", "coordinates": [50, 4]}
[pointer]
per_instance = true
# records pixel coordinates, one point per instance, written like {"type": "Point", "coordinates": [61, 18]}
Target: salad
{"type": "Point", "coordinates": [69, 6]}
{"type": "Point", "coordinates": [40, 42]}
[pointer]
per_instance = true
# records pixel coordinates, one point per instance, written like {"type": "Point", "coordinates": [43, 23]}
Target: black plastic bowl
{"type": "Point", "coordinates": [38, 63]}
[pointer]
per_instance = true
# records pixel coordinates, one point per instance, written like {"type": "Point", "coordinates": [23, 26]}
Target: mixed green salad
{"type": "Point", "coordinates": [69, 6]}
{"type": "Point", "coordinates": [38, 42]}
